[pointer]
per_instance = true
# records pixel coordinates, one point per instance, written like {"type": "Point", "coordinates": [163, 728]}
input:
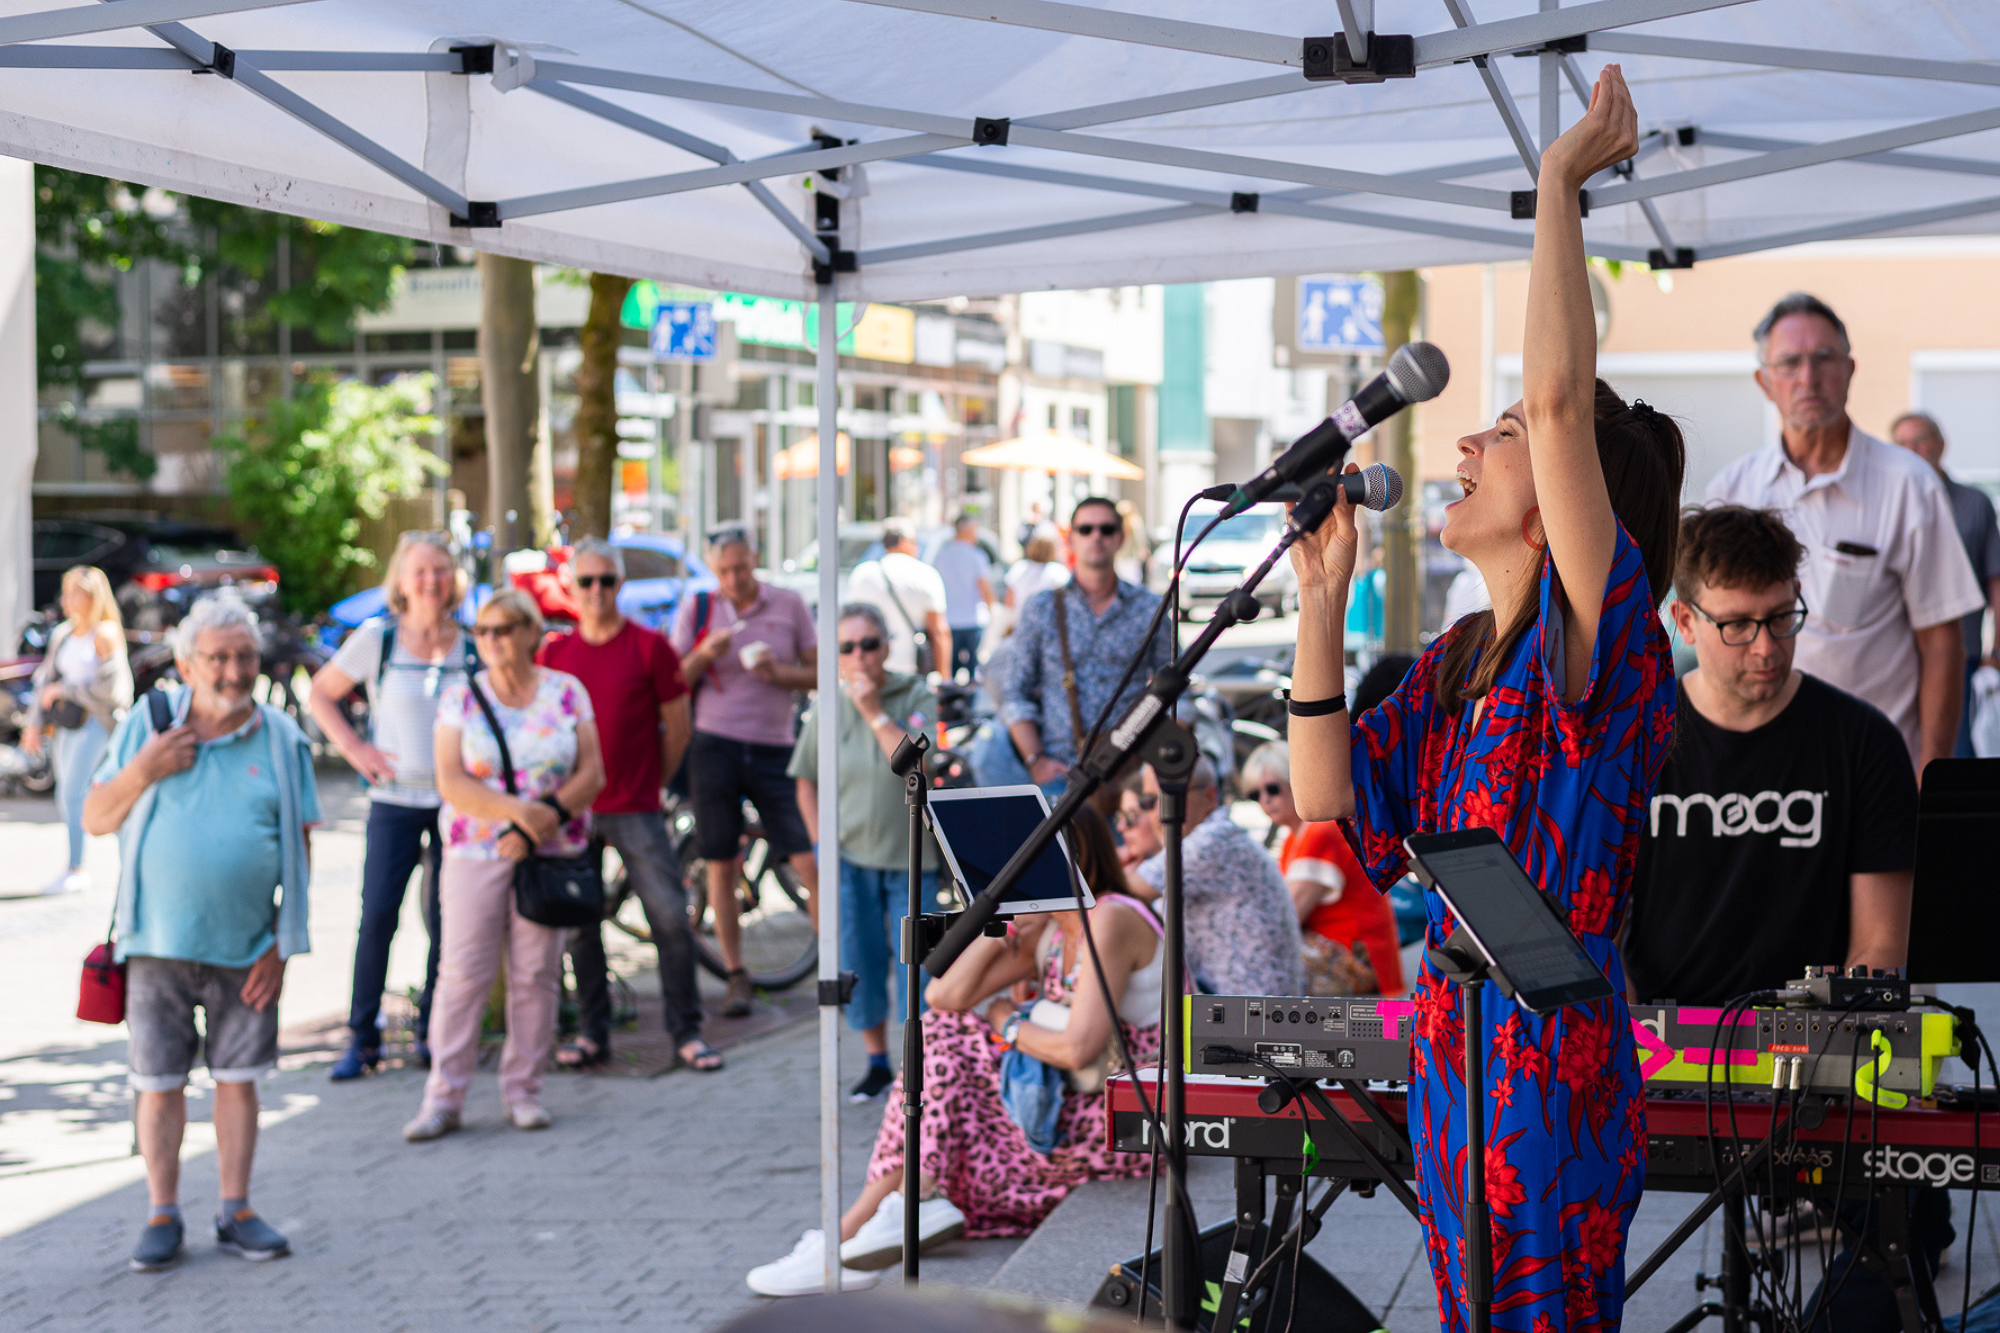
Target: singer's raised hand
{"type": "Point", "coordinates": [1325, 557]}
{"type": "Point", "coordinates": [1607, 134]}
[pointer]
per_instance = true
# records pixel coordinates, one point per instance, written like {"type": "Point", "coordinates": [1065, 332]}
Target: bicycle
{"type": "Point", "coordinates": [780, 943]}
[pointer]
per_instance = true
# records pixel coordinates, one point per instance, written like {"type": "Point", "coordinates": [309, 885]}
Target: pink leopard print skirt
{"type": "Point", "coordinates": [979, 1158]}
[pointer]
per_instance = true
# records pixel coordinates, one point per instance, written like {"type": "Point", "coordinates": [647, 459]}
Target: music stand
{"type": "Point", "coordinates": [1958, 828]}
{"type": "Point", "coordinates": [1510, 932]}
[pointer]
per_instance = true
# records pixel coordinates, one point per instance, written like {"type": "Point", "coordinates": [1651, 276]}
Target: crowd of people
{"type": "Point", "coordinates": [1707, 836]}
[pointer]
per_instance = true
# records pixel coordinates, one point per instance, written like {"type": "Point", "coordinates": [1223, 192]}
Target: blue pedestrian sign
{"type": "Point", "coordinates": [685, 331]}
{"type": "Point", "coordinates": [1340, 312]}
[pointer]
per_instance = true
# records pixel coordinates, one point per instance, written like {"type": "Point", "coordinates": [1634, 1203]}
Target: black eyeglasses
{"type": "Point", "coordinates": [868, 645]}
{"type": "Point", "coordinates": [1270, 791]}
{"type": "Point", "coordinates": [1742, 633]}
{"type": "Point", "coordinates": [596, 580]}
{"type": "Point", "coordinates": [1097, 529]}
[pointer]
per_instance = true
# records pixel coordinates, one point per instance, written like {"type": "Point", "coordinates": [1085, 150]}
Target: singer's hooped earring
{"type": "Point", "coordinates": [1528, 528]}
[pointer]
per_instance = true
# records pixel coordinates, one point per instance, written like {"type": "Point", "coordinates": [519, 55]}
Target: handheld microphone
{"type": "Point", "coordinates": [1416, 373]}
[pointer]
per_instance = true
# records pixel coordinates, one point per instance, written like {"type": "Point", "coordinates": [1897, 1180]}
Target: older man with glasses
{"type": "Point", "coordinates": [878, 708]}
{"type": "Point", "coordinates": [1884, 576]}
{"type": "Point", "coordinates": [213, 811]}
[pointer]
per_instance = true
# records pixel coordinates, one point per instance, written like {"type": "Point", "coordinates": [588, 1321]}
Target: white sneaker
{"type": "Point", "coordinates": [879, 1243]}
{"type": "Point", "coordinates": [76, 881]}
{"type": "Point", "coordinates": [803, 1271]}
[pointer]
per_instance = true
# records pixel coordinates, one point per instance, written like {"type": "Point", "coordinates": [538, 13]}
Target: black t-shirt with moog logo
{"type": "Point", "coordinates": [1742, 880]}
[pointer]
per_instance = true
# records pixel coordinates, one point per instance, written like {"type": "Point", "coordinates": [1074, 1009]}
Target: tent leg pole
{"type": "Point", "coordinates": [827, 491]}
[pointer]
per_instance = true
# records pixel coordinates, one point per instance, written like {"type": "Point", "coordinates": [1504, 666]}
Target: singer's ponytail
{"type": "Point", "coordinates": [1644, 458]}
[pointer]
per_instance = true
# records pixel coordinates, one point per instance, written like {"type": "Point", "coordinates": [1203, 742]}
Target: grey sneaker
{"type": "Point", "coordinates": [159, 1245]}
{"type": "Point", "coordinates": [250, 1236]}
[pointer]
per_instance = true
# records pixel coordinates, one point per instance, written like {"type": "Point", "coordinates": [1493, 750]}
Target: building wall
{"type": "Point", "coordinates": [1919, 312]}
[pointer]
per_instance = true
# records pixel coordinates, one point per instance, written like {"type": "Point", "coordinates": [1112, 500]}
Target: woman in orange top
{"type": "Point", "coordinates": [1347, 929]}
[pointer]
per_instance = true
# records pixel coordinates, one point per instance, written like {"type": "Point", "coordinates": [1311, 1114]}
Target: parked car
{"type": "Point", "coordinates": [157, 565]}
{"type": "Point", "coordinates": [659, 572]}
{"type": "Point", "coordinates": [1226, 556]}
{"type": "Point", "coordinates": [859, 542]}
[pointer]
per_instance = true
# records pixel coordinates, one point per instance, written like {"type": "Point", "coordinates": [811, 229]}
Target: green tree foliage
{"type": "Point", "coordinates": [302, 478]}
{"type": "Point", "coordinates": [89, 229]}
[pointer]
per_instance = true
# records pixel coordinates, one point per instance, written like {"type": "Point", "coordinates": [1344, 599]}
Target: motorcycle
{"type": "Point", "coordinates": [21, 772]}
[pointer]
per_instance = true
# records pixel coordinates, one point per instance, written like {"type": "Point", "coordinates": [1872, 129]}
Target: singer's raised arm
{"type": "Point", "coordinates": [1559, 368]}
{"type": "Point", "coordinates": [1322, 777]}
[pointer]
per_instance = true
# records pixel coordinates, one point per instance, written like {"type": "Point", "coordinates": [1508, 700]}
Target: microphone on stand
{"type": "Point", "coordinates": [1377, 486]}
{"type": "Point", "coordinates": [1416, 373]}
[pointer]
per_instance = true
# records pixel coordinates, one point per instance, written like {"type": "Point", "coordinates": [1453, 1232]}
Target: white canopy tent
{"type": "Point", "coordinates": [1015, 144]}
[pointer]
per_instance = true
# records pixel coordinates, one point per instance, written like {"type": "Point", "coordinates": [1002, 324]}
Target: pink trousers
{"type": "Point", "coordinates": [476, 900]}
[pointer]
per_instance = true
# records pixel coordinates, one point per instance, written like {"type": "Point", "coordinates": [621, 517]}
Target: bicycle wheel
{"type": "Point", "coordinates": [780, 944]}
{"type": "Point", "coordinates": [622, 907]}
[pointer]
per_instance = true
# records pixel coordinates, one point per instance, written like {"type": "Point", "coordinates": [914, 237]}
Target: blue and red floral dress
{"type": "Point", "coordinates": [1568, 786]}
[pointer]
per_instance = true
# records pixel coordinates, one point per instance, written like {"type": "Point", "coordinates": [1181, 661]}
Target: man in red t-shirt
{"type": "Point", "coordinates": [636, 688]}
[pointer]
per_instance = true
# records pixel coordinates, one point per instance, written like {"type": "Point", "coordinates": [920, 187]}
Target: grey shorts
{"type": "Point", "coordinates": [161, 995]}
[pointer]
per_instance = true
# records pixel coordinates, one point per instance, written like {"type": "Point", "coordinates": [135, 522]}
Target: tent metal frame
{"type": "Point", "coordinates": [1445, 201]}
{"type": "Point", "coordinates": [927, 138]}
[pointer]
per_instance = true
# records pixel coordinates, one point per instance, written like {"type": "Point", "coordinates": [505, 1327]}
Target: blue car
{"type": "Point", "coordinates": [658, 573]}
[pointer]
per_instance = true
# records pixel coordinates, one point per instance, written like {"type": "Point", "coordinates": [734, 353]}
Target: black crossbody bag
{"type": "Point", "coordinates": [560, 891]}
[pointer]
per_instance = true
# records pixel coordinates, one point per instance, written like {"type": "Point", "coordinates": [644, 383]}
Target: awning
{"type": "Point", "coordinates": [802, 459]}
{"type": "Point", "coordinates": [1016, 144]}
{"type": "Point", "coordinates": [1053, 452]}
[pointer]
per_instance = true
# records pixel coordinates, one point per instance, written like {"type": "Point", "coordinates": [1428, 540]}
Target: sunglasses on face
{"type": "Point", "coordinates": [871, 644]}
{"type": "Point", "coordinates": [1096, 529]}
{"type": "Point", "coordinates": [596, 580]}
{"type": "Point", "coordinates": [1270, 791]}
{"type": "Point", "coordinates": [495, 631]}
{"type": "Point", "coordinates": [1147, 802]}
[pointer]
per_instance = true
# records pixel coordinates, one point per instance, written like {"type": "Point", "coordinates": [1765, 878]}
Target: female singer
{"type": "Point", "coordinates": [1546, 720]}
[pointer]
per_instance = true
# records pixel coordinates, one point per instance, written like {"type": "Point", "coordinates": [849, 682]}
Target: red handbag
{"type": "Point", "coordinates": [101, 997]}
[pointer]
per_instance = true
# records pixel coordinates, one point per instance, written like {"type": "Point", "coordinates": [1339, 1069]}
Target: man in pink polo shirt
{"type": "Point", "coordinates": [744, 650]}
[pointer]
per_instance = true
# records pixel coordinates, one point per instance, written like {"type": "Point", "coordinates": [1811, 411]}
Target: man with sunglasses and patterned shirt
{"type": "Point", "coordinates": [1783, 830]}
{"type": "Point", "coordinates": [1060, 675]}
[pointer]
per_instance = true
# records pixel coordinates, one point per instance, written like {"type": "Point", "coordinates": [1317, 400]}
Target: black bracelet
{"type": "Point", "coordinates": [555, 805]}
{"type": "Point", "coordinates": [1315, 707]}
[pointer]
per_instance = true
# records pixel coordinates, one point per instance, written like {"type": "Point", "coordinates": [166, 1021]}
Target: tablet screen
{"type": "Point", "coordinates": [978, 829]}
{"type": "Point", "coordinates": [1500, 905]}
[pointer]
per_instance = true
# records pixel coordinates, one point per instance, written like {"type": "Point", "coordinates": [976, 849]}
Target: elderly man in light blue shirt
{"type": "Point", "coordinates": [212, 811]}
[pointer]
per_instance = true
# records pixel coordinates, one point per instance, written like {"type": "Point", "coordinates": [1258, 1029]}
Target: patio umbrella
{"type": "Point", "coordinates": [1052, 452]}
{"type": "Point", "coordinates": [802, 459]}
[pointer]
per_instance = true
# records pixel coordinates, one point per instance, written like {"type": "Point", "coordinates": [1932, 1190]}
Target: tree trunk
{"type": "Point", "coordinates": [510, 389]}
{"type": "Point", "coordinates": [597, 407]}
{"type": "Point", "coordinates": [1403, 526]}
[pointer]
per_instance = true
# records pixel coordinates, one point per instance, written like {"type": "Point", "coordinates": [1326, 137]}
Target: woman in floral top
{"type": "Point", "coordinates": [1546, 720]}
{"type": "Point", "coordinates": [558, 771]}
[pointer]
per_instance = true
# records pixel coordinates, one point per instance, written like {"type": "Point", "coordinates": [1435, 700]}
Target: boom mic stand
{"type": "Point", "coordinates": [1148, 729]}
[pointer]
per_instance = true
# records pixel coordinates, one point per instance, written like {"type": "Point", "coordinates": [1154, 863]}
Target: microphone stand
{"type": "Point", "coordinates": [1464, 962]}
{"type": "Point", "coordinates": [908, 764]}
{"type": "Point", "coordinates": [1147, 729]}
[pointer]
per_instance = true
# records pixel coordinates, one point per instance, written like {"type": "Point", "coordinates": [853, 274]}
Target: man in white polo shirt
{"type": "Point", "coordinates": [1885, 578]}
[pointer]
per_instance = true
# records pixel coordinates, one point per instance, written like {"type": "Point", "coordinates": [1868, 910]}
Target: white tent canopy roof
{"type": "Point", "coordinates": [671, 139]}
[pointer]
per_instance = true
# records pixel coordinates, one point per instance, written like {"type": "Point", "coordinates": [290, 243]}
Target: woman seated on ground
{"type": "Point", "coordinates": [1347, 929]}
{"type": "Point", "coordinates": [980, 1174]}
